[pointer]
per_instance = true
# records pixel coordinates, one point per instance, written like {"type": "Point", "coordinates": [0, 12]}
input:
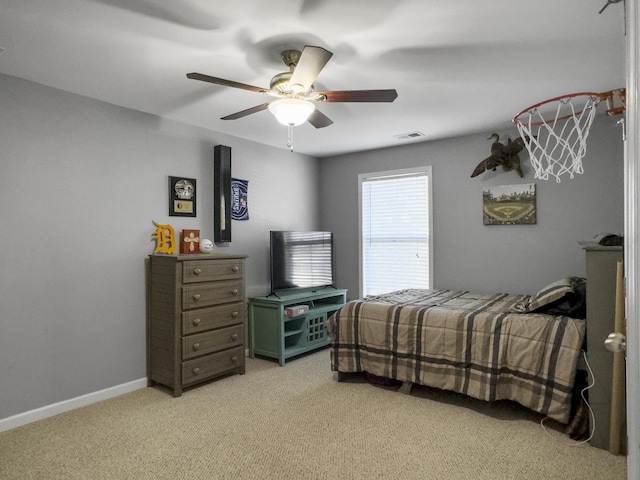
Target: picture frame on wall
{"type": "Point", "coordinates": [509, 205]}
{"type": "Point", "coordinates": [182, 197]}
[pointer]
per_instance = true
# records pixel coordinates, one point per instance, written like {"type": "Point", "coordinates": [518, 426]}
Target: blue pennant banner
{"type": "Point", "coordinates": [239, 207]}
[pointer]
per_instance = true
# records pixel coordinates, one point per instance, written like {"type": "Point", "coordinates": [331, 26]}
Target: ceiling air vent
{"type": "Point", "coordinates": [409, 136]}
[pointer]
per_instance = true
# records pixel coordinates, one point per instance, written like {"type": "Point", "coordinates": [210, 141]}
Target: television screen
{"type": "Point", "coordinates": [301, 260]}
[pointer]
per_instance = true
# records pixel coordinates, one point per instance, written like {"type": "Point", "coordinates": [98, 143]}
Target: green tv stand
{"type": "Point", "coordinates": [275, 335]}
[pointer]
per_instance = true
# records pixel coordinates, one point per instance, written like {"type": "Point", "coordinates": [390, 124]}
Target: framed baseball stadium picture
{"type": "Point", "coordinates": [509, 204]}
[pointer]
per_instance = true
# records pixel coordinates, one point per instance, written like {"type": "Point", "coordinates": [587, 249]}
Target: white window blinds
{"type": "Point", "coordinates": [395, 230]}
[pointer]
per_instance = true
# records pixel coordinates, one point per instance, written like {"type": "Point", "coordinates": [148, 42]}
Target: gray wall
{"type": "Point", "coordinates": [81, 182]}
{"type": "Point", "coordinates": [467, 254]}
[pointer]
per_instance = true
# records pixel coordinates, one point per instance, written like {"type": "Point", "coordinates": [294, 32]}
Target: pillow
{"type": "Point", "coordinates": [551, 293]}
{"type": "Point", "coordinates": [564, 297]}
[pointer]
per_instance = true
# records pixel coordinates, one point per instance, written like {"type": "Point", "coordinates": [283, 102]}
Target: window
{"type": "Point", "coordinates": [395, 230]}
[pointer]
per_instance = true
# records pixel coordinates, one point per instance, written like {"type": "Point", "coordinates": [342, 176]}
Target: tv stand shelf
{"type": "Point", "coordinates": [275, 335]}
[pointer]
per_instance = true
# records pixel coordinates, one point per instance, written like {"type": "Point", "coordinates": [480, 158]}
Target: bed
{"type": "Point", "coordinates": [488, 346]}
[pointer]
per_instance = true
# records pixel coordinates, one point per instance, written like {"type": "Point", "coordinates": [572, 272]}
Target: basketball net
{"type": "Point", "coordinates": [555, 131]}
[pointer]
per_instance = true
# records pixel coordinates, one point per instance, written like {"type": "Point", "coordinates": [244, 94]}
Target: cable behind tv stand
{"type": "Point", "coordinates": [275, 335]}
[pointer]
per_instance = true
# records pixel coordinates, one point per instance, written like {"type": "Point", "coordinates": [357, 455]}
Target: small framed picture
{"type": "Point", "coordinates": [189, 241]}
{"type": "Point", "coordinates": [182, 197]}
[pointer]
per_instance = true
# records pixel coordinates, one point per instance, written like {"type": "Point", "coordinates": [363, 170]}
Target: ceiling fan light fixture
{"type": "Point", "coordinates": [291, 111]}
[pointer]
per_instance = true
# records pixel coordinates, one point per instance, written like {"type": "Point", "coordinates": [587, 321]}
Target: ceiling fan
{"type": "Point", "coordinates": [294, 90]}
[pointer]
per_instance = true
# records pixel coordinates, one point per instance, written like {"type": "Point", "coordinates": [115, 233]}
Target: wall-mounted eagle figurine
{"type": "Point", "coordinates": [505, 156]}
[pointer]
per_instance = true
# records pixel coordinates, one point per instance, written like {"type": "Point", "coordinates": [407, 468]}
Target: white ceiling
{"type": "Point", "coordinates": [459, 66]}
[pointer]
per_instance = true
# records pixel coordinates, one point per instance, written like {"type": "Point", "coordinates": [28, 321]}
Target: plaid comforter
{"type": "Point", "coordinates": [473, 344]}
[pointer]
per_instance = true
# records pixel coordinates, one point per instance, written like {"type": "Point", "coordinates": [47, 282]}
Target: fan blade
{"type": "Point", "coordinates": [359, 95]}
{"type": "Point", "coordinates": [319, 119]}
{"type": "Point", "coordinates": [248, 111]}
{"type": "Point", "coordinates": [312, 61]}
{"type": "Point", "coordinates": [226, 83]}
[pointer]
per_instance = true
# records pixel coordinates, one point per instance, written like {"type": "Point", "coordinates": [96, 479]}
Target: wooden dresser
{"type": "Point", "coordinates": [196, 319]}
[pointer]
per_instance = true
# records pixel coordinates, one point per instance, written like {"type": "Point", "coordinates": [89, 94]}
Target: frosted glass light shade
{"type": "Point", "coordinates": [291, 111]}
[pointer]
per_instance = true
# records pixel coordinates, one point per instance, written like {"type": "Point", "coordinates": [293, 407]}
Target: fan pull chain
{"type": "Point", "coordinates": [290, 138]}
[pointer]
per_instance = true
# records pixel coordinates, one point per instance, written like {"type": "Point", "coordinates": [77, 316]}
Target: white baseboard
{"type": "Point", "coordinates": [71, 404]}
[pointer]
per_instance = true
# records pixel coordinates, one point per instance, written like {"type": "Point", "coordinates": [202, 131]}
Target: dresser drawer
{"type": "Point", "coordinates": [204, 295]}
{"type": "Point", "coordinates": [194, 271]}
{"type": "Point", "coordinates": [194, 321]}
{"type": "Point", "coordinates": [212, 365]}
{"type": "Point", "coordinates": [213, 341]}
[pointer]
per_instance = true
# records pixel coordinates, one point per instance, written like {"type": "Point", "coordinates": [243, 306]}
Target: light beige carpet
{"type": "Point", "coordinates": [297, 422]}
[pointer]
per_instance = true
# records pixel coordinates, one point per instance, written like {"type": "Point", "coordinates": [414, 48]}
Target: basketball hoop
{"type": "Point", "coordinates": [555, 131]}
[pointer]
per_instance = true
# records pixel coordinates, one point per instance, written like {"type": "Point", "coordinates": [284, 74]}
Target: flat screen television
{"type": "Point", "coordinates": [301, 260]}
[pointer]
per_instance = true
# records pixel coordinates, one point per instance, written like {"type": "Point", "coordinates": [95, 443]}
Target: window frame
{"type": "Point", "coordinates": [427, 170]}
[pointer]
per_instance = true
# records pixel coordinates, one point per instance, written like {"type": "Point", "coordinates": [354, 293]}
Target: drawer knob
{"type": "Point", "coordinates": [196, 346]}
{"type": "Point", "coordinates": [234, 291]}
{"type": "Point", "coordinates": [196, 297]}
{"type": "Point", "coordinates": [197, 271]}
{"type": "Point", "coordinates": [196, 321]}
{"type": "Point", "coordinates": [234, 314]}
{"type": "Point", "coordinates": [234, 359]}
{"type": "Point", "coordinates": [235, 269]}
{"type": "Point", "coordinates": [196, 370]}
{"type": "Point", "coordinates": [234, 336]}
